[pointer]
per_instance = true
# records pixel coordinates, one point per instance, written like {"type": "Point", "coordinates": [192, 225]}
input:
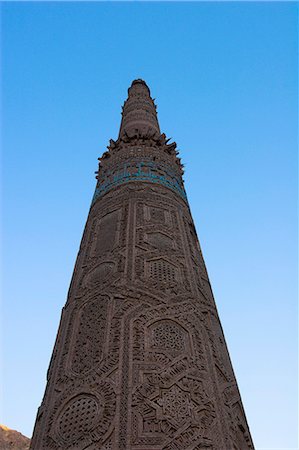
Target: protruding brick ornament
{"type": "Point", "coordinates": [140, 360]}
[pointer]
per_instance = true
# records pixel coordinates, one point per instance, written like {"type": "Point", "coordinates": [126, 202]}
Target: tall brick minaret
{"type": "Point", "coordinates": [140, 360]}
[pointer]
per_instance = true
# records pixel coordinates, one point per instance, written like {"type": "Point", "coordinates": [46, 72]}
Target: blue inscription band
{"type": "Point", "coordinates": [143, 171]}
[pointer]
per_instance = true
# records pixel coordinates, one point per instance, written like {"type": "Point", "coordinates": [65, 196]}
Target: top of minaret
{"type": "Point", "coordinates": [139, 116]}
{"type": "Point", "coordinates": [139, 82]}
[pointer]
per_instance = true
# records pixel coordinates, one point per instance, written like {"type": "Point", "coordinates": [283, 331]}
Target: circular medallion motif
{"type": "Point", "coordinates": [78, 417]}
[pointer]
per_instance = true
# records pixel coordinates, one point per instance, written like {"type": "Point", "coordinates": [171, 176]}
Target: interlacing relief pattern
{"type": "Point", "coordinates": [89, 335]}
{"type": "Point", "coordinates": [176, 404]}
{"type": "Point", "coordinates": [168, 335]}
{"type": "Point", "coordinates": [172, 405]}
{"type": "Point", "coordinates": [167, 390]}
{"type": "Point", "coordinates": [79, 416]}
{"type": "Point", "coordinates": [84, 326]}
{"type": "Point", "coordinates": [103, 261]}
{"type": "Point", "coordinates": [159, 260]}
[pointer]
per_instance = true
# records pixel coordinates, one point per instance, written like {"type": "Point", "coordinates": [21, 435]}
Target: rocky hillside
{"type": "Point", "coordinates": [12, 440]}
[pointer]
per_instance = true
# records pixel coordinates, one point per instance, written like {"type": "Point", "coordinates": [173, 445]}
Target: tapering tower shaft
{"type": "Point", "coordinates": [140, 361]}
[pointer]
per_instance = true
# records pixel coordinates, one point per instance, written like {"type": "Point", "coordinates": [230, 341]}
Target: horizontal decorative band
{"type": "Point", "coordinates": [124, 176]}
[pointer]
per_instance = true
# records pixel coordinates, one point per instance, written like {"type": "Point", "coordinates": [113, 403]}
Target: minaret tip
{"type": "Point", "coordinates": [138, 82]}
{"type": "Point", "coordinates": [139, 116]}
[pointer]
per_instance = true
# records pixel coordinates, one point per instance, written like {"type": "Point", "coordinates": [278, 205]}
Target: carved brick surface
{"type": "Point", "coordinates": [77, 418]}
{"type": "Point", "coordinates": [89, 335]}
{"type": "Point", "coordinates": [140, 360]}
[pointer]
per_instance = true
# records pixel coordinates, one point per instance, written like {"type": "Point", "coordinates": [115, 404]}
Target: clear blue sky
{"type": "Point", "coordinates": [224, 78]}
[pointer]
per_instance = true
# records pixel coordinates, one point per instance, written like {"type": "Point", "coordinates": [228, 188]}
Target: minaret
{"type": "Point", "coordinates": [140, 360]}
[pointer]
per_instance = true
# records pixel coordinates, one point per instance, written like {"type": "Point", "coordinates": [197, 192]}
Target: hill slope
{"type": "Point", "coordinates": [12, 440]}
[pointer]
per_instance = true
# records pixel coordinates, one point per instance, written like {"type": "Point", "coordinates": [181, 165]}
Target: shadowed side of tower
{"type": "Point", "coordinates": [140, 361]}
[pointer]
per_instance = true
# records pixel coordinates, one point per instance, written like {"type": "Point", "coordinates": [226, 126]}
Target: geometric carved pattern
{"type": "Point", "coordinates": [162, 271]}
{"type": "Point", "coordinates": [172, 408]}
{"type": "Point", "coordinates": [168, 335]}
{"type": "Point", "coordinates": [90, 335]}
{"type": "Point", "coordinates": [176, 404]}
{"type": "Point", "coordinates": [78, 417]}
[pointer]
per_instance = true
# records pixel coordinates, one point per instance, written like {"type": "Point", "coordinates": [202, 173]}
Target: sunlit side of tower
{"type": "Point", "coordinates": [140, 360]}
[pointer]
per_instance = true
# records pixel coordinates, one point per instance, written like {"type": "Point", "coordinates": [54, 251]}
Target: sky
{"type": "Point", "coordinates": [224, 76]}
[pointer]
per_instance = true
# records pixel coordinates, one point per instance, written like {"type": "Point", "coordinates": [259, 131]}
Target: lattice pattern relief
{"type": "Point", "coordinates": [90, 335]}
{"type": "Point", "coordinates": [77, 418]}
{"type": "Point", "coordinates": [167, 335]}
{"type": "Point", "coordinates": [162, 271]}
{"type": "Point", "coordinates": [176, 404]}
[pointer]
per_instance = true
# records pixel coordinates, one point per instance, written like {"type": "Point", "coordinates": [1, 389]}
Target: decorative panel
{"type": "Point", "coordinates": [157, 215]}
{"type": "Point", "coordinates": [98, 274]}
{"type": "Point", "coordinates": [176, 404]}
{"type": "Point", "coordinates": [168, 335]}
{"type": "Point", "coordinates": [162, 271]}
{"type": "Point", "coordinates": [142, 171]}
{"type": "Point", "coordinates": [106, 232]}
{"type": "Point", "coordinates": [160, 240]}
{"type": "Point", "coordinates": [90, 335]}
{"type": "Point", "coordinates": [77, 418]}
